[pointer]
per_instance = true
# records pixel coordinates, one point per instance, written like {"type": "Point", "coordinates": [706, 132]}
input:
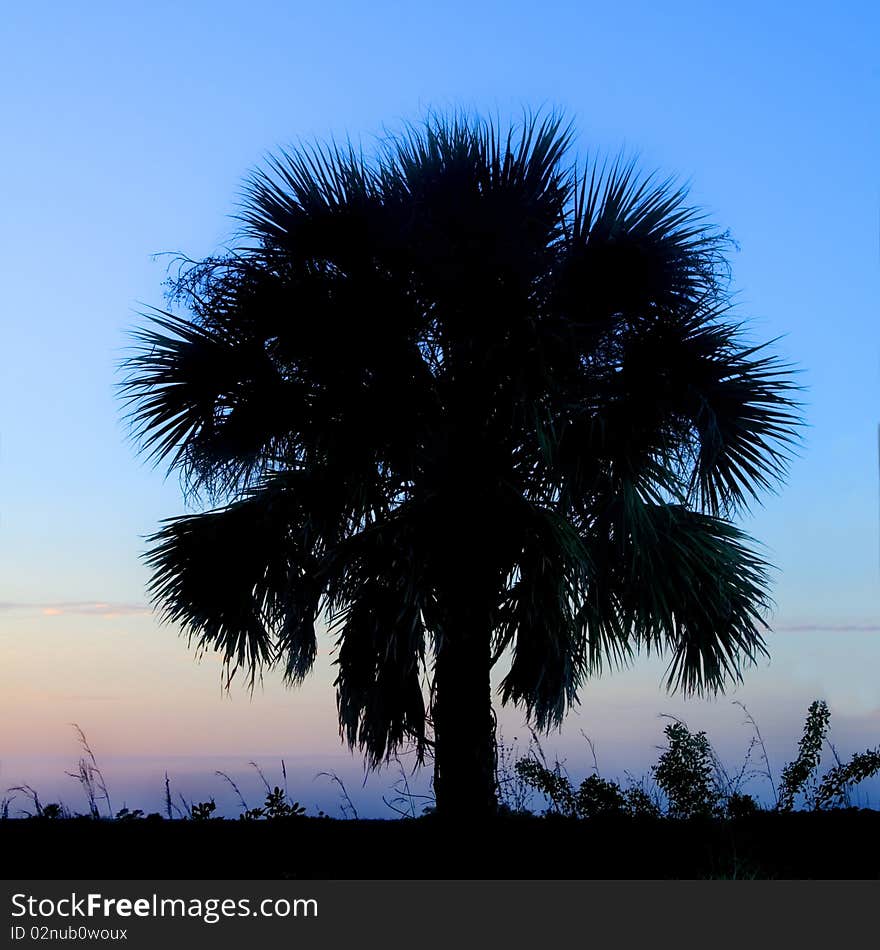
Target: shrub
{"type": "Point", "coordinates": [685, 772]}
{"type": "Point", "coordinates": [275, 806]}
{"type": "Point", "coordinates": [796, 774]}
{"type": "Point", "coordinates": [203, 811]}
{"type": "Point", "coordinates": [596, 796]}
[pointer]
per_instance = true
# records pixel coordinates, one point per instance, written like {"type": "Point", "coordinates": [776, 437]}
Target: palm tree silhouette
{"type": "Point", "coordinates": [472, 403]}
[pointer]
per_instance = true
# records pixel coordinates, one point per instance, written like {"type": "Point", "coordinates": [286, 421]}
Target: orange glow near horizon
{"type": "Point", "coordinates": [136, 689]}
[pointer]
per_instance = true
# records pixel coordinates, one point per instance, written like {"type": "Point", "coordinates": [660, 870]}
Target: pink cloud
{"type": "Point", "coordinates": [827, 627]}
{"type": "Point", "coordinates": [90, 608]}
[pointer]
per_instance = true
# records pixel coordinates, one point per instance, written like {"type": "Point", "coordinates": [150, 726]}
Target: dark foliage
{"type": "Point", "coordinates": [820, 845]}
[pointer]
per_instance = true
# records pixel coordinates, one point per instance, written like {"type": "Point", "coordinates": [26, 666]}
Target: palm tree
{"type": "Point", "coordinates": [468, 401]}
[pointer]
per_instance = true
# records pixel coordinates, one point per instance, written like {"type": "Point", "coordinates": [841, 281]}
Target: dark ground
{"type": "Point", "coordinates": [819, 845]}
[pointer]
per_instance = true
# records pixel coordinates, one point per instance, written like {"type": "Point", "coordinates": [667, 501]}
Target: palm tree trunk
{"type": "Point", "coordinates": [464, 726]}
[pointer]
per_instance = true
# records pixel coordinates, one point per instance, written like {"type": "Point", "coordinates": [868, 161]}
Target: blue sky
{"type": "Point", "coordinates": [128, 131]}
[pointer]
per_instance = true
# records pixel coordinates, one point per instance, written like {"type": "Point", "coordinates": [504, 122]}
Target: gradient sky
{"type": "Point", "coordinates": [128, 131]}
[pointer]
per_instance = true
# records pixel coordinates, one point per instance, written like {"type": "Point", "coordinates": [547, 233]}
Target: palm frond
{"type": "Point", "coordinates": [686, 585]}
{"type": "Point", "coordinates": [634, 240]}
{"type": "Point", "coordinates": [206, 400]}
{"type": "Point", "coordinates": [378, 599]}
{"type": "Point", "coordinates": [238, 585]}
{"type": "Point", "coordinates": [741, 401]}
{"type": "Point", "coordinates": [381, 640]}
{"type": "Point", "coordinates": [537, 617]}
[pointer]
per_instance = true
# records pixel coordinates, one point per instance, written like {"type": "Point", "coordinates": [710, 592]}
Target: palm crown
{"type": "Point", "coordinates": [469, 401]}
